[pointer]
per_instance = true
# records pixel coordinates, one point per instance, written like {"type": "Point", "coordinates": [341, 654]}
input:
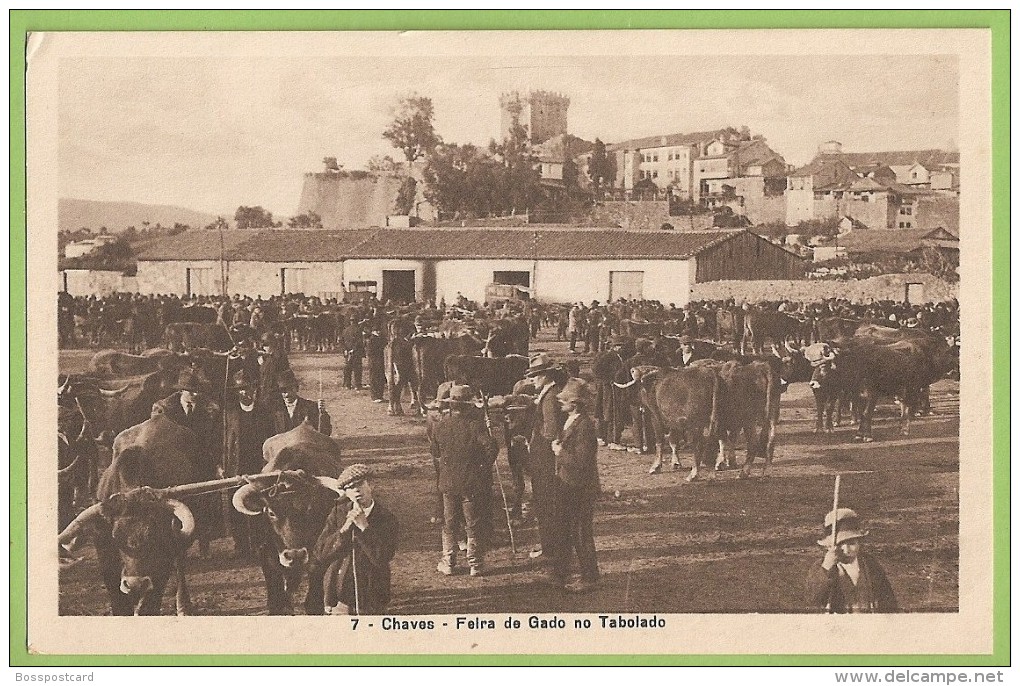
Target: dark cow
{"type": "Point", "coordinates": [681, 403]}
{"type": "Point", "coordinates": [777, 327]}
{"type": "Point", "coordinates": [291, 510]}
{"type": "Point", "coordinates": [111, 405]}
{"type": "Point", "coordinates": [181, 337]}
{"type": "Point", "coordinates": [749, 404]}
{"type": "Point", "coordinates": [429, 354]}
{"type": "Point", "coordinates": [401, 373]}
{"type": "Point", "coordinates": [635, 329]}
{"type": "Point", "coordinates": [487, 375]}
{"type": "Point", "coordinates": [835, 328]}
{"type": "Point", "coordinates": [193, 314]}
{"type": "Point", "coordinates": [814, 364]}
{"type": "Point", "coordinates": [141, 537]}
{"type": "Point", "coordinates": [76, 464]}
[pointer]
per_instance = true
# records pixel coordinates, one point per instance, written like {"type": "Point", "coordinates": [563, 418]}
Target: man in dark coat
{"type": "Point", "coordinates": [272, 363]}
{"type": "Point", "coordinates": [248, 424]}
{"type": "Point", "coordinates": [577, 486]}
{"type": "Point", "coordinates": [375, 347]}
{"type": "Point", "coordinates": [294, 409]}
{"type": "Point", "coordinates": [353, 338]}
{"type": "Point", "coordinates": [848, 580]}
{"type": "Point", "coordinates": [608, 417]}
{"type": "Point", "coordinates": [466, 454]}
{"type": "Point", "coordinates": [690, 351]}
{"type": "Point", "coordinates": [541, 460]}
{"type": "Point", "coordinates": [641, 427]}
{"type": "Point", "coordinates": [349, 569]}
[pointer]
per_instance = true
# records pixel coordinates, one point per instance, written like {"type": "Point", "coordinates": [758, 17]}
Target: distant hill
{"type": "Point", "coordinates": [116, 216]}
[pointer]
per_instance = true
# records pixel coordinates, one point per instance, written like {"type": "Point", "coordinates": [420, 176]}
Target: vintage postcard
{"type": "Point", "coordinates": [510, 342]}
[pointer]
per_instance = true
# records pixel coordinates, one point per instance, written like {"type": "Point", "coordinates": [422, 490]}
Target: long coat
{"type": "Point", "coordinates": [340, 550]}
{"type": "Point", "coordinates": [546, 428]}
{"type": "Point", "coordinates": [577, 465]}
{"type": "Point", "coordinates": [466, 453]}
{"type": "Point", "coordinates": [204, 422]}
{"type": "Point", "coordinates": [305, 409]}
{"type": "Point", "coordinates": [243, 438]}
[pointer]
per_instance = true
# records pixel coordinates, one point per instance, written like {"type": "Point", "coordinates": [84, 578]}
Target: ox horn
{"type": "Point", "coordinates": [241, 496]}
{"type": "Point", "coordinates": [791, 348]}
{"type": "Point", "coordinates": [67, 384]}
{"type": "Point", "coordinates": [67, 470]}
{"type": "Point", "coordinates": [79, 523]}
{"type": "Point", "coordinates": [113, 394]}
{"type": "Point", "coordinates": [328, 482]}
{"type": "Point", "coordinates": [183, 513]}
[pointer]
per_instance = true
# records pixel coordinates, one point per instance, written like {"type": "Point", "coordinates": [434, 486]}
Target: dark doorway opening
{"type": "Point", "coordinates": [398, 285]}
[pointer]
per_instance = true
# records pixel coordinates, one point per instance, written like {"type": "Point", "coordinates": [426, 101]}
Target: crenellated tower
{"type": "Point", "coordinates": [543, 113]}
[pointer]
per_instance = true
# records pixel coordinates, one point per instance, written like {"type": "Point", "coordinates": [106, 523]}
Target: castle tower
{"type": "Point", "coordinates": [542, 113]}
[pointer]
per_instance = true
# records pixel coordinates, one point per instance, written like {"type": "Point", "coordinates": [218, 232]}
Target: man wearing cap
{"type": "Point", "coordinates": [466, 453]}
{"type": "Point", "coordinates": [686, 353]}
{"type": "Point", "coordinates": [848, 580]}
{"type": "Point", "coordinates": [248, 424]}
{"type": "Point", "coordinates": [541, 460]}
{"type": "Point", "coordinates": [349, 568]}
{"type": "Point", "coordinates": [577, 486]}
{"type": "Point", "coordinates": [296, 409]}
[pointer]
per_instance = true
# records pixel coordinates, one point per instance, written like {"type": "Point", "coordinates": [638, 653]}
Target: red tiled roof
{"type": "Point", "coordinates": [672, 139]}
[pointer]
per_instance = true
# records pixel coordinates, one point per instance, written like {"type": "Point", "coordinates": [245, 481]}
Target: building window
{"type": "Point", "coordinates": [655, 157]}
{"type": "Point", "coordinates": [907, 210]}
{"type": "Point", "coordinates": [655, 174]}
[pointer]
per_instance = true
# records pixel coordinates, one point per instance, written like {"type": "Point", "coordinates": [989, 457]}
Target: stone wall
{"type": "Point", "coordinates": [885, 287]}
{"type": "Point", "coordinates": [344, 201]}
{"type": "Point", "coordinates": [646, 215]}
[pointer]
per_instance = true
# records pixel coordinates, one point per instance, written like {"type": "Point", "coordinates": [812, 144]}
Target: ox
{"type": "Point", "coordinates": [181, 337]}
{"type": "Point", "coordinates": [111, 405]}
{"type": "Point", "coordinates": [748, 403]}
{"type": "Point", "coordinates": [779, 327]}
{"type": "Point", "coordinates": [814, 364]}
{"type": "Point", "coordinates": [487, 375]}
{"type": "Point", "coordinates": [681, 402]}
{"type": "Point", "coordinates": [141, 537]}
{"type": "Point", "coordinates": [291, 511]}
{"type": "Point", "coordinates": [835, 328]}
{"type": "Point", "coordinates": [429, 355]}
{"type": "Point", "coordinates": [729, 327]}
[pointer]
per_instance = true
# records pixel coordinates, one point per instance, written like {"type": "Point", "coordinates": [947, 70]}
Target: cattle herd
{"type": "Point", "coordinates": [708, 378]}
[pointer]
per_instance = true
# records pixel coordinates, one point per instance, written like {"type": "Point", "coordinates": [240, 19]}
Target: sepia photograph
{"type": "Point", "coordinates": [635, 342]}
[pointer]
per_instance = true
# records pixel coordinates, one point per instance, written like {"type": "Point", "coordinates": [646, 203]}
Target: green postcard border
{"type": "Point", "coordinates": [996, 21]}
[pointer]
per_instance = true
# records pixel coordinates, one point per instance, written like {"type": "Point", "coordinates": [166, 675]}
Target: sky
{"type": "Point", "coordinates": [212, 133]}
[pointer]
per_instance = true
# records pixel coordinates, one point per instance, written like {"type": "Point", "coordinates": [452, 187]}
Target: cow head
{"type": "Point", "coordinates": [794, 366]}
{"type": "Point", "coordinates": [147, 531]}
{"type": "Point", "coordinates": [296, 507]}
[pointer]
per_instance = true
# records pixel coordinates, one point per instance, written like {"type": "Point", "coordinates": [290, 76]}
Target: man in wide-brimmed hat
{"type": "Point", "coordinates": [576, 486]}
{"type": "Point", "coordinates": [848, 579]}
{"type": "Point", "coordinates": [465, 453]}
{"type": "Point", "coordinates": [349, 567]}
{"type": "Point", "coordinates": [608, 415]}
{"type": "Point", "coordinates": [248, 424]}
{"type": "Point", "coordinates": [294, 409]}
{"type": "Point", "coordinates": [190, 405]}
{"type": "Point", "coordinates": [549, 379]}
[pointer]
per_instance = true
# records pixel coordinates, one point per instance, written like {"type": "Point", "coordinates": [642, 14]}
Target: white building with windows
{"type": "Point", "coordinates": [401, 265]}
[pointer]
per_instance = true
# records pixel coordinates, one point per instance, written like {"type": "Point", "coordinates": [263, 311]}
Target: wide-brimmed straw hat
{"type": "Point", "coordinates": [848, 527]}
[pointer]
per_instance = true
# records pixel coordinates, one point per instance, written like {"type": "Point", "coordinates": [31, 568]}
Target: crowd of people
{"type": "Point", "coordinates": [572, 417]}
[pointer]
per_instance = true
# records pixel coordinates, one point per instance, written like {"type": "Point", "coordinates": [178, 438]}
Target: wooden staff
{"type": "Point", "coordinates": [319, 414]}
{"type": "Point", "coordinates": [499, 477]}
{"type": "Point", "coordinates": [835, 506]}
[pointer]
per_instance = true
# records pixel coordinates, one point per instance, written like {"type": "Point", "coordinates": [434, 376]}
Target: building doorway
{"type": "Point", "coordinates": [627, 285]}
{"type": "Point", "coordinates": [512, 278]}
{"type": "Point", "coordinates": [292, 280]}
{"type": "Point", "coordinates": [398, 285]}
{"type": "Point", "coordinates": [198, 281]}
{"type": "Point", "coordinates": [914, 293]}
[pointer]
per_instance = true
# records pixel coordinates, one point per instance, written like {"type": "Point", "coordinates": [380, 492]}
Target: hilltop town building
{"type": "Point", "coordinates": [543, 114]}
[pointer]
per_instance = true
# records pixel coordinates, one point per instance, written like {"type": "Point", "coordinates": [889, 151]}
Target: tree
{"type": "Point", "coordinates": [600, 167]}
{"type": "Point", "coordinates": [254, 218]}
{"type": "Point", "coordinates": [331, 164]}
{"type": "Point", "coordinates": [645, 187]}
{"type": "Point", "coordinates": [411, 129]}
{"type": "Point", "coordinates": [463, 180]}
{"type": "Point", "coordinates": [220, 224]}
{"type": "Point", "coordinates": [519, 180]}
{"type": "Point", "coordinates": [308, 220]}
{"type": "Point", "coordinates": [405, 196]}
{"type": "Point", "coordinates": [384, 165]}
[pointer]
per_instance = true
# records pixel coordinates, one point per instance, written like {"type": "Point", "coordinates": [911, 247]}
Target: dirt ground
{"type": "Point", "coordinates": [663, 545]}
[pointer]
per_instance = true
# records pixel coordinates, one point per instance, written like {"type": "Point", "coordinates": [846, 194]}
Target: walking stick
{"type": "Point", "coordinates": [319, 414]}
{"type": "Point", "coordinates": [354, 567]}
{"type": "Point", "coordinates": [499, 476]}
{"type": "Point", "coordinates": [226, 507]}
{"type": "Point", "coordinates": [835, 505]}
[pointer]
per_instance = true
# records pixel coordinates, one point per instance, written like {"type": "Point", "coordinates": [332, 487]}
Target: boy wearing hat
{"type": "Point", "coordinates": [848, 580]}
{"type": "Point", "coordinates": [296, 409]}
{"type": "Point", "coordinates": [577, 486]}
{"type": "Point", "coordinates": [548, 378]}
{"type": "Point", "coordinates": [248, 425]}
{"type": "Point", "coordinates": [466, 453]}
{"type": "Point", "coordinates": [349, 569]}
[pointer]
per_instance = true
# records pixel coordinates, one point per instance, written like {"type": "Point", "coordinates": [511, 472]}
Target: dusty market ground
{"type": "Point", "coordinates": [663, 546]}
